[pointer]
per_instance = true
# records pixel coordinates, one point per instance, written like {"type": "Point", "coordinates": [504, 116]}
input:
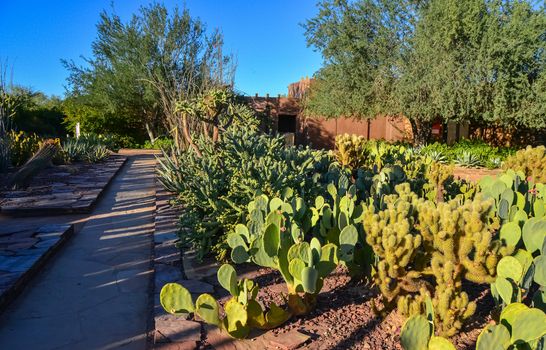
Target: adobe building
{"type": "Point", "coordinates": [286, 118]}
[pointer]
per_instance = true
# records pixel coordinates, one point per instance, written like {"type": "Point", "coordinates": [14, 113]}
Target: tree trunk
{"type": "Point", "coordinates": [187, 136]}
{"type": "Point", "coordinates": [421, 131]}
{"type": "Point", "coordinates": [150, 133]}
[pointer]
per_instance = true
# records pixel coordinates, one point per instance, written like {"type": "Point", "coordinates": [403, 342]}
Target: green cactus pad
{"type": "Point", "coordinates": [275, 218]}
{"type": "Point", "coordinates": [239, 255]}
{"type": "Point", "coordinates": [319, 202]}
{"type": "Point", "coordinates": [510, 268]}
{"type": "Point", "coordinates": [525, 259]}
{"type": "Point", "coordinates": [260, 257]}
{"type": "Point", "coordinates": [301, 251]}
{"type": "Point", "coordinates": [228, 279]}
{"type": "Point", "coordinates": [328, 260]}
{"type": "Point", "coordinates": [510, 233]}
{"type": "Point", "coordinates": [528, 325]}
{"type": "Point", "coordinates": [272, 240]}
{"type": "Point", "coordinates": [540, 270]}
{"type": "Point", "coordinates": [504, 209]}
{"type": "Point", "coordinates": [296, 267]}
{"type": "Point", "coordinates": [255, 314]}
{"type": "Point", "coordinates": [534, 232]}
{"type": "Point", "coordinates": [508, 314]}
{"type": "Point", "coordinates": [242, 230]}
{"type": "Point", "coordinates": [235, 240]}
{"type": "Point", "coordinates": [275, 204]}
{"type": "Point", "coordinates": [236, 319]}
{"type": "Point", "coordinates": [276, 316]}
{"type": "Point", "coordinates": [493, 337]}
{"type": "Point", "coordinates": [440, 343]}
{"type": "Point", "coordinates": [315, 251]}
{"type": "Point", "coordinates": [538, 208]}
{"type": "Point", "coordinates": [176, 299]}
{"type": "Point", "coordinates": [309, 278]}
{"type": "Point", "coordinates": [347, 241]}
{"type": "Point", "coordinates": [207, 308]}
{"type": "Point", "coordinates": [415, 333]}
{"type": "Point", "coordinates": [505, 289]}
{"type": "Point", "coordinates": [342, 220]}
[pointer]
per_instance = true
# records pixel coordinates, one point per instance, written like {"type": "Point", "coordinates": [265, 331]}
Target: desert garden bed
{"type": "Point", "coordinates": [60, 189]}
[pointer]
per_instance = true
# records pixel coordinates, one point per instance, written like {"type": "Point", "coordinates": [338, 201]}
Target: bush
{"type": "Point", "coordinates": [22, 146]}
{"type": "Point", "coordinates": [89, 148]}
{"type": "Point", "coordinates": [531, 161]}
{"type": "Point", "coordinates": [162, 143]}
{"type": "Point", "coordinates": [216, 187]}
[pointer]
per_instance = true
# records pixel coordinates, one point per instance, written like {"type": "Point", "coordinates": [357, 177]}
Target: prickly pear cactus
{"type": "Point", "coordinates": [520, 327]}
{"type": "Point", "coordinates": [241, 312]}
{"type": "Point", "coordinates": [274, 237]}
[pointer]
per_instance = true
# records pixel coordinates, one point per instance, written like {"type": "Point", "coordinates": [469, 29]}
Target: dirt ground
{"type": "Point", "coordinates": [344, 318]}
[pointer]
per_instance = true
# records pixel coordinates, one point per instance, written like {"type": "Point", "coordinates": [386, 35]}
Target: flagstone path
{"type": "Point", "coordinates": [94, 294]}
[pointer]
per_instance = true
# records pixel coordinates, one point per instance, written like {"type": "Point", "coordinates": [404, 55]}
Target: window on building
{"type": "Point", "coordinates": [287, 123]}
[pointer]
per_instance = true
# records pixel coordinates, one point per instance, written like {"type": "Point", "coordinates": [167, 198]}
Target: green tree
{"type": "Point", "coordinates": [139, 69]}
{"type": "Point", "coordinates": [473, 60]}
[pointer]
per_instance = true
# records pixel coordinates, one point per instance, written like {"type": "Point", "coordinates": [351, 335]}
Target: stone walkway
{"type": "Point", "coordinates": [95, 292]}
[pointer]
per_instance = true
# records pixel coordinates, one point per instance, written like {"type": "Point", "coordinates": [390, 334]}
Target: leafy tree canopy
{"type": "Point", "coordinates": [480, 60]}
{"type": "Point", "coordinates": [139, 69]}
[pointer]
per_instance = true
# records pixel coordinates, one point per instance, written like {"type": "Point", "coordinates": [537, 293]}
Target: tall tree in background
{"type": "Point", "coordinates": [454, 60]}
{"type": "Point", "coordinates": [140, 69]}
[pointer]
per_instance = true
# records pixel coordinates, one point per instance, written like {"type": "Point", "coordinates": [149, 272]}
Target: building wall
{"type": "Point", "coordinates": [321, 133]}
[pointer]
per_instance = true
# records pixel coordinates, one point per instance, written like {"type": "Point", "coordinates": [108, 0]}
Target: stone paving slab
{"type": "Point", "coordinates": [76, 194]}
{"type": "Point", "coordinates": [95, 293]}
{"type": "Point", "coordinates": [23, 252]}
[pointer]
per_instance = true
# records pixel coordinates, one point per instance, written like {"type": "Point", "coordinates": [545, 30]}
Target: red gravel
{"type": "Point", "coordinates": [344, 318]}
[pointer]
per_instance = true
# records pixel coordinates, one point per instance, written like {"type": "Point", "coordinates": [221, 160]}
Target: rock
{"type": "Point", "coordinates": [218, 339]}
{"type": "Point", "coordinates": [166, 274]}
{"type": "Point", "coordinates": [289, 341]}
{"type": "Point", "coordinates": [175, 329]}
{"type": "Point", "coordinates": [186, 345]}
{"type": "Point", "coordinates": [197, 287]}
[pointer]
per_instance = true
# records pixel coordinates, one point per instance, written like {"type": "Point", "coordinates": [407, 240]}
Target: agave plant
{"type": "Point", "coordinates": [468, 160]}
{"type": "Point", "coordinates": [437, 156]}
{"type": "Point", "coordinates": [97, 154]}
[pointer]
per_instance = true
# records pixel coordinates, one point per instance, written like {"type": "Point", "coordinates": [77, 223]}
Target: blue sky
{"type": "Point", "coordinates": [265, 36]}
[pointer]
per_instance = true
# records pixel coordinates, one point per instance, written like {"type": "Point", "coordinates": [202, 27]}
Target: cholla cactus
{"type": "Point", "coordinates": [531, 161]}
{"type": "Point", "coordinates": [449, 241]}
{"type": "Point", "coordinates": [351, 150]}
{"type": "Point", "coordinates": [394, 240]}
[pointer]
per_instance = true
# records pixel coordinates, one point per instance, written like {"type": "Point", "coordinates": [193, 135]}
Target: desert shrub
{"type": "Point", "coordinates": [531, 161]}
{"type": "Point", "coordinates": [22, 146]}
{"type": "Point", "coordinates": [217, 186]}
{"type": "Point", "coordinates": [87, 148]}
{"type": "Point", "coordinates": [162, 143]}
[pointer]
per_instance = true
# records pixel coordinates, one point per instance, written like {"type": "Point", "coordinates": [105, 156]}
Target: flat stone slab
{"type": "Point", "coordinates": [19, 261]}
{"type": "Point", "coordinates": [69, 194]}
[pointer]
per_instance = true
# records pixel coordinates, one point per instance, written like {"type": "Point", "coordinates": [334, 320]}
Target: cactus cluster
{"type": "Point", "coordinates": [520, 327]}
{"type": "Point", "coordinates": [415, 238]}
{"type": "Point", "coordinates": [531, 161]}
{"type": "Point", "coordinates": [275, 237]}
{"type": "Point", "coordinates": [241, 312]}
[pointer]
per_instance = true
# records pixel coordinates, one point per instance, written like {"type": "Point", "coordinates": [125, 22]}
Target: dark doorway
{"type": "Point", "coordinates": [287, 123]}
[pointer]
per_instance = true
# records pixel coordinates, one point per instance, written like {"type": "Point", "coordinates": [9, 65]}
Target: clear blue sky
{"type": "Point", "coordinates": [265, 36]}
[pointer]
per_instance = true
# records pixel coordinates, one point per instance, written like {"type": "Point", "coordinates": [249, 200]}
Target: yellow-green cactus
{"type": "Point", "coordinates": [449, 241]}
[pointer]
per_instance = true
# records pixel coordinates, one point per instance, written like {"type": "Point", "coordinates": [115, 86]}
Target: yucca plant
{"type": "Point", "coordinates": [468, 159]}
